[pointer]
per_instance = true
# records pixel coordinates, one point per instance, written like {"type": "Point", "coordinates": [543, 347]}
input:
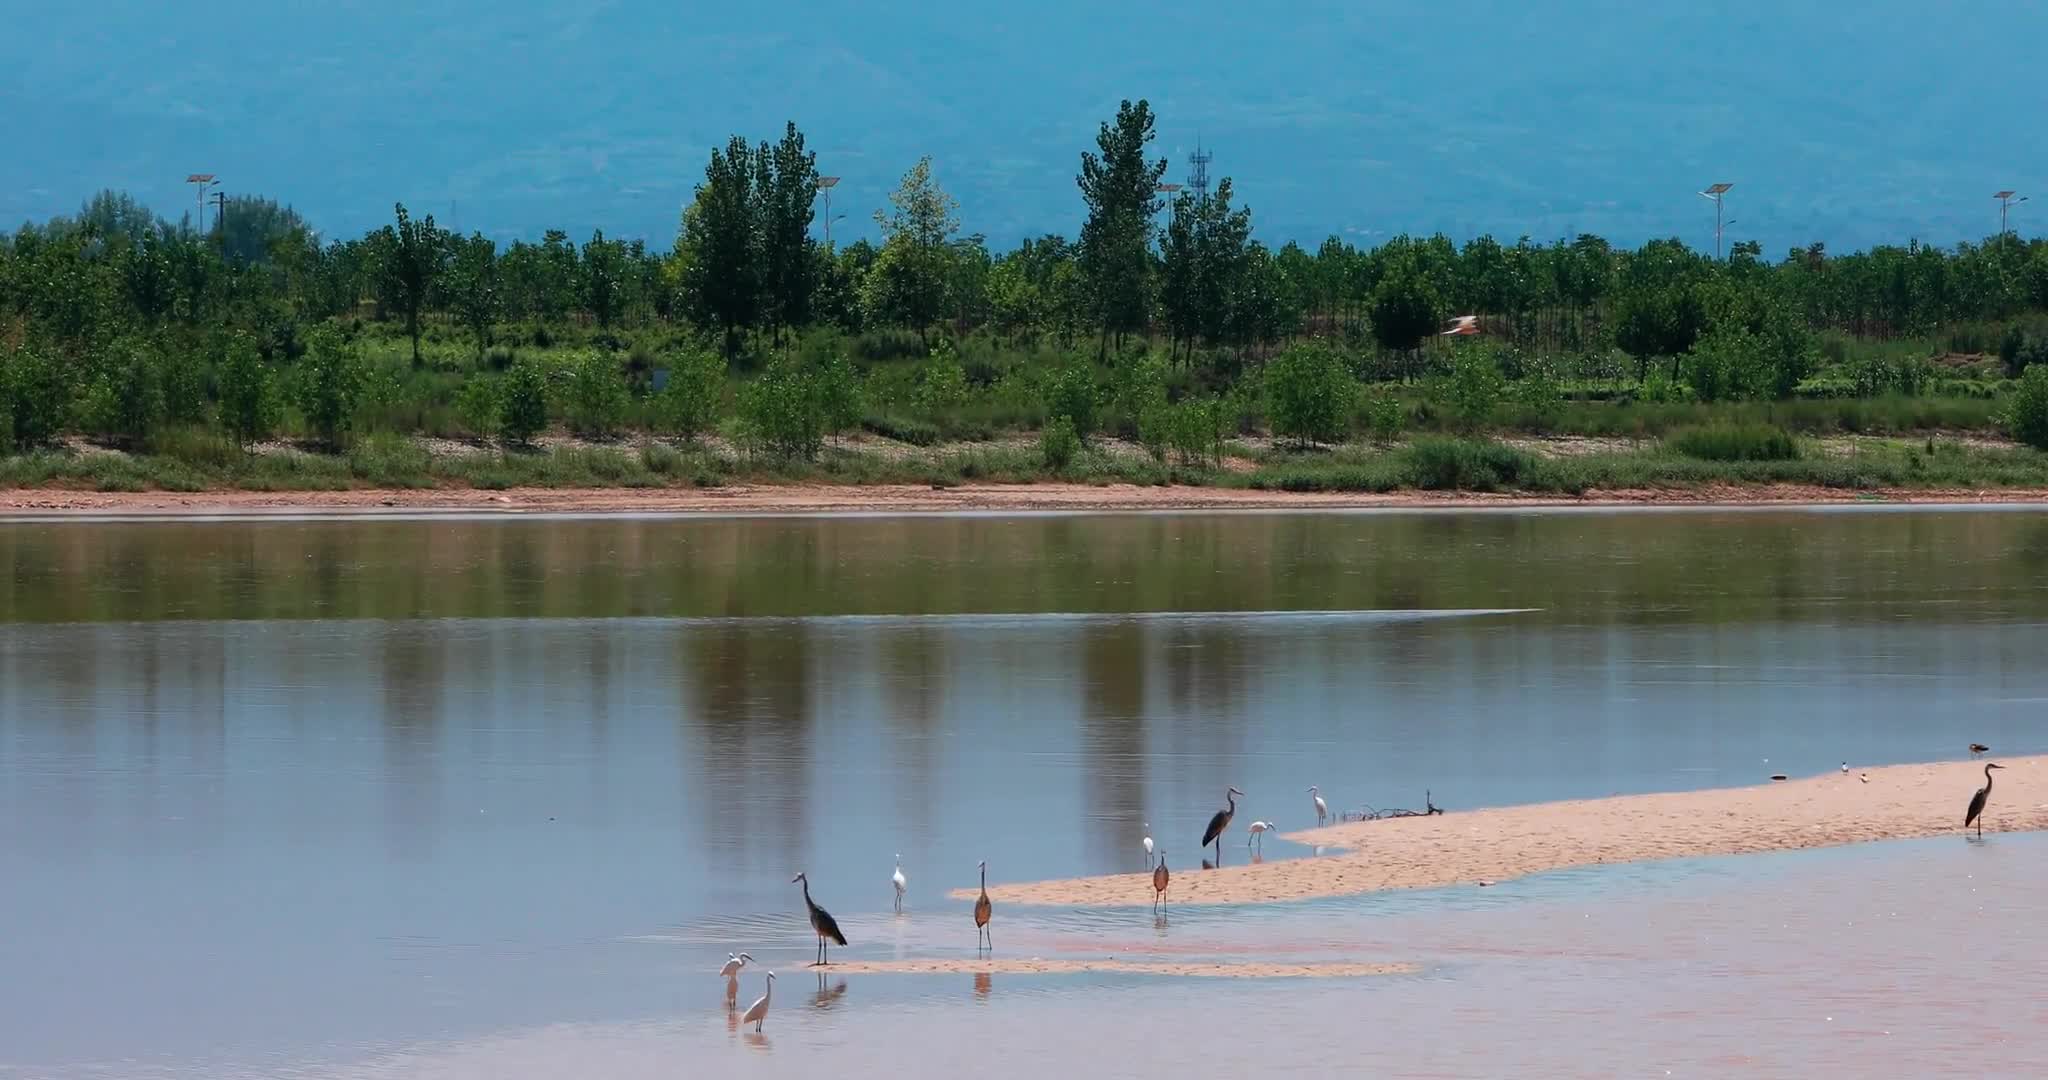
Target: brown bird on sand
{"type": "Point", "coordinates": [1160, 878]}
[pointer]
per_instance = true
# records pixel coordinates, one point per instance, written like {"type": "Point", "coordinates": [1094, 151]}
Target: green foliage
{"type": "Point", "coordinates": [478, 407]}
{"type": "Point", "coordinates": [1475, 385]}
{"type": "Point", "coordinates": [1058, 443]}
{"type": "Point", "coordinates": [38, 388]}
{"type": "Point", "coordinates": [1405, 307]}
{"type": "Point", "coordinates": [783, 410]}
{"type": "Point", "coordinates": [1439, 464]}
{"type": "Point", "coordinates": [410, 258]}
{"type": "Point", "coordinates": [1386, 416]}
{"type": "Point", "coordinates": [906, 286]}
{"type": "Point", "coordinates": [1069, 394]}
{"type": "Point", "coordinates": [943, 389]}
{"type": "Point", "coordinates": [595, 398]}
{"type": "Point", "coordinates": [689, 405]}
{"type": "Point", "coordinates": [1139, 386]}
{"type": "Point", "coordinates": [1196, 430]}
{"type": "Point", "coordinates": [1734, 442]}
{"type": "Point", "coordinates": [839, 398]}
{"type": "Point", "coordinates": [126, 401]}
{"type": "Point", "coordinates": [1120, 189]}
{"type": "Point", "coordinates": [2026, 413]}
{"type": "Point", "coordinates": [330, 382]}
{"type": "Point", "coordinates": [1309, 394]}
{"type": "Point", "coordinates": [523, 406]}
{"type": "Point", "coordinates": [248, 396]}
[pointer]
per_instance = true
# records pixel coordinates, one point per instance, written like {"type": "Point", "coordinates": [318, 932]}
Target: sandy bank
{"type": "Point", "coordinates": [905, 498]}
{"type": "Point", "coordinates": [1035, 966]}
{"type": "Point", "coordinates": [1469, 848]}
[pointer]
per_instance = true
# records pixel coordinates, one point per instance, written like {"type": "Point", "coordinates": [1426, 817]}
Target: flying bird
{"type": "Point", "coordinates": [822, 922]}
{"type": "Point", "coordinates": [899, 881]}
{"type": "Point", "coordinates": [1214, 833]}
{"type": "Point", "coordinates": [1257, 831]}
{"type": "Point", "coordinates": [1463, 324]}
{"type": "Point", "coordinates": [757, 1013]}
{"type": "Point", "coordinates": [1322, 808]}
{"type": "Point", "coordinates": [982, 909]}
{"type": "Point", "coordinates": [1978, 800]}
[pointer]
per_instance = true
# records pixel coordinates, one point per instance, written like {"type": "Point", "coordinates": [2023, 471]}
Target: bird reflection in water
{"type": "Point", "coordinates": [981, 986]}
{"type": "Point", "coordinates": [1258, 857]}
{"type": "Point", "coordinates": [756, 1039]}
{"type": "Point", "coordinates": [825, 998]}
{"type": "Point", "coordinates": [1207, 865]}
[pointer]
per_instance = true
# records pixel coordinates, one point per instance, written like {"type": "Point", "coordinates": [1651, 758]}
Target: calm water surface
{"type": "Point", "coordinates": [453, 797]}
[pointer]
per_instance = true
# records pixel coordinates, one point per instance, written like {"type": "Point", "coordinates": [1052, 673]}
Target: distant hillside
{"type": "Point", "coordinates": [1855, 125]}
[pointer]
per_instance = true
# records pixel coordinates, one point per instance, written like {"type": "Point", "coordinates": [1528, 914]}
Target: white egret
{"type": "Point", "coordinates": [1322, 808]}
{"type": "Point", "coordinates": [1148, 843]}
{"type": "Point", "coordinates": [1257, 831]}
{"type": "Point", "coordinates": [897, 879]}
{"type": "Point", "coordinates": [733, 963]}
{"type": "Point", "coordinates": [757, 1013]}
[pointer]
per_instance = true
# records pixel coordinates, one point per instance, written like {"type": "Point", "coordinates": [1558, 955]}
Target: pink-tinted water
{"type": "Point", "coordinates": [1923, 959]}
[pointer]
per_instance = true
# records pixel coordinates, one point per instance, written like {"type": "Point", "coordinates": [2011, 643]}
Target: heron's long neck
{"type": "Point", "coordinates": [984, 879]}
{"type": "Point", "coordinates": [1231, 798]}
{"type": "Point", "coordinates": [807, 892]}
{"type": "Point", "coordinates": [1987, 779]}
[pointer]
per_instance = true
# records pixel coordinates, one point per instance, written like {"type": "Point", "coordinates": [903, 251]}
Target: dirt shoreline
{"type": "Point", "coordinates": [914, 499]}
{"type": "Point", "coordinates": [1485, 846]}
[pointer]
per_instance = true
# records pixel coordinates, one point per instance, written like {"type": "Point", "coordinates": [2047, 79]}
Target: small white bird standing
{"type": "Point", "coordinates": [897, 879]}
{"type": "Point", "coordinates": [1845, 768]}
{"type": "Point", "coordinates": [731, 972]}
{"type": "Point", "coordinates": [1148, 844]}
{"type": "Point", "coordinates": [1322, 808]}
{"type": "Point", "coordinates": [1257, 829]}
{"type": "Point", "coordinates": [757, 1013]}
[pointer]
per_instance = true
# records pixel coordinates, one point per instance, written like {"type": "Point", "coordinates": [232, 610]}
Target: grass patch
{"type": "Point", "coordinates": [1735, 442]}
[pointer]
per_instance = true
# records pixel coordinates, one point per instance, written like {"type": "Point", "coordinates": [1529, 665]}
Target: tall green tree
{"type": "Point", "coordinates": [1120, 188]}
{"type": "Point", "coordinates": [786, 190]}
{"type": "Point", "coordinates": [604, 277]}
{"type": "Point", "coordinates": [720, 238]}
{"type": "Point", "coordinates": [412, 256]}
{"type": "Point", "coordinates": [473, 287]}
{"type": "Point", "coordinates": [907, 284]}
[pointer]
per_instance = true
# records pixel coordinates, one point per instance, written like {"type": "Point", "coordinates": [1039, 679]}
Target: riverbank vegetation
{"type": "Point", "coordinates": [1166, 343]}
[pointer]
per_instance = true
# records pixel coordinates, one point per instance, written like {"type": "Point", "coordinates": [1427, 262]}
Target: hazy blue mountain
{"type": "Point", "coordinates": [1853, 124]}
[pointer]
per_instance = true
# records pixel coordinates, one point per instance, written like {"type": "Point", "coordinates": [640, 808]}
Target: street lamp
{"type": "Point", "coordinates": [1714, 192]}
{"type": "Point", "coordinates": [825, 186]}
{"type": "Point", "coordinates": [2005, 203]}
{"type": "Point", "coordinates": [202, 182]}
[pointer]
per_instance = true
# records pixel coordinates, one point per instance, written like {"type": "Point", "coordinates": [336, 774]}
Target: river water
{"type": "Point", "coordinates": [490, 797]}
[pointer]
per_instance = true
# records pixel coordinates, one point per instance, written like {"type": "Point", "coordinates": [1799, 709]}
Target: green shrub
{"type": "Point", "coordinates": [903, 429]}
{"type": "Point", "coordinates": [1386, 416]}
{"type": "Point", "coordinates": [1309, 394]}
{"type": "Point", "coordinates": [38, 385]}
{"type": "Point", "coordinates": [523, 406]}
{"type": "Point", "coordinates": [1445, 464]}
{"type": "Point", "coordinates": [1058, 442]}
{"type": "Point", "coordinates": [1734, 442]}
{"type": "Point", "coordinates": [331, 379]}
{"type": "Point", "coordinates": [839, 397]}
{"type": "Point", "coordinates": [477, 406]}
{"type": "Point", "coordinates": [248, 397]}
{"type": "Point", "coordinates": [689, 404]}
{"type": "Point", "coordinates": [1475, 385]}
{"type": "Point", "coordinates": [1195, 430]}
{"type": "Point", "coordinates": [1069, 392]}
{"type": "Point", "coordinates": [1139, 388]}
{"type": "Point", "coordinates": [596, 398]}
{"type": "Point", "coordinates": [943, 388]}
{"type": "Point", "coordinates": [783, 411]}
{"type": "Point", "coordinates": [386, 460]}
{"type": "Point", "coordinates": [183, 385]}
{"type": "Point", "coordinates": [2026, 412]}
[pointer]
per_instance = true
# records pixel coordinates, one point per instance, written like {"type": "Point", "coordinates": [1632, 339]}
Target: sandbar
{"type": "Point", "coordinates": [1040, 966]}
{"type": "Point", "coordinates": [1481, 847]}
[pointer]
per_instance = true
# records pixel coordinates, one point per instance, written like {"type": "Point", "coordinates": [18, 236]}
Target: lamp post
{"type": "Point", "coordinates": [2005, 203]}
{"type": "Point", "coordinates": [825, 186]}
{"type": "Point", "coordinates": [202, 182]}
{"type": "Point", "coordinates": [1714, 193]}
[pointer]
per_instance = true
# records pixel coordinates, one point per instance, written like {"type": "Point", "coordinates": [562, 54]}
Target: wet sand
{"type": "Point", "coordinates": [1484, 846]}
{"type": "Point", "coordinates": [906, 498]}
{"type": "Point", "coordinates": [1039, 966]}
